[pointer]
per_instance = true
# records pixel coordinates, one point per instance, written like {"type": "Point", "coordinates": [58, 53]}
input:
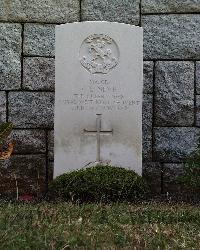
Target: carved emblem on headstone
{"type": "Point", "coordinates": [99, 54]}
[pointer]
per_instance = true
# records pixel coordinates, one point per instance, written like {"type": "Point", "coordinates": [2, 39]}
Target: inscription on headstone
{"type": "Point", "coordinates": [98, 104]}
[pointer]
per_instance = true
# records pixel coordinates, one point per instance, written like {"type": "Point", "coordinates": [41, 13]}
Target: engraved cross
{"type": "Point", "coordinates": [98, 133]}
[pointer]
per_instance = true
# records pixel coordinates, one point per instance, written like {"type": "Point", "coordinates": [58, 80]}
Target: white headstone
{"type": "Point", "coordinates": [98, 103]}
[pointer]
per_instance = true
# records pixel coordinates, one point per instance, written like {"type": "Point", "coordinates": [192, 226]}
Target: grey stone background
{"type": "Point", "coordinates": [171, 114]}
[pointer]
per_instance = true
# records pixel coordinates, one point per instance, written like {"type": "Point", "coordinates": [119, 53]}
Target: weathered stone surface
{"type": "Point", "coordinates": [28, 170]}
{"type": "Point", "coordinates": [148, 77]}
{"type": "Point", "coordinates": [28, 141]}
{"type": "Point", "coordinates": [171, 36]}
{"type": "Point", "coordinates": [51, 145]}
{"type": "Point", "coordinates": [39, 73]}
{"type": "Point", "coordinates": [171, 173]}
{"type": "Point", "coordinates": [10, 51]}
{"type": "Point", "coordinates": [98, 92]}
{"type": "Point", "coordinates": [174, 93]}
{"type": "Point", "coordinates": [2, 106]}
{"type": "Point", "coordinates": [170, 6]}
{"type": "Point", "coordinates": [50, 171]}
{"type": "Point", "coordinates": [198, 77]}
{"type": "Point", "coordinates": [59, 11]}
{"type": "Point", "coordinates": [175, 144]}
{"type": "Point", "coordinates": [152, 173]}
{"type": "Point", "coordinates": [147, 127]}
{"type": "Point", "coordinates": [126, 11]}
{"type": "Point", "coordinates": [198, 110]}
{"type": "Point", "coordinates": [31, 110]}
{"type": "Point", "coordinates": [39, 40]}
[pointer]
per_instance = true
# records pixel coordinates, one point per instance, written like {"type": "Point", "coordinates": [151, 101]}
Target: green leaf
{"type": "Point", "coordinates": [5, 130]}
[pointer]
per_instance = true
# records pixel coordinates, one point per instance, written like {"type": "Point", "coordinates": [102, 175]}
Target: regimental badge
{"type": "Point", "coordinates": [99, 54]}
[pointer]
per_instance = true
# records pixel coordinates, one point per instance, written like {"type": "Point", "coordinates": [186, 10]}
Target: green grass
{"type": "Point", "coordinates": [98, 226]}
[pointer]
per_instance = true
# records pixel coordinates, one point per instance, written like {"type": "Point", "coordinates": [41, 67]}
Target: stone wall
{"type": "Point", "coordinates": [171, 114]}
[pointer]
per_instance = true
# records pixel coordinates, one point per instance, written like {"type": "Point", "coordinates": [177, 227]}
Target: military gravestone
{"type": "Point", "coordinates": [98, 104]}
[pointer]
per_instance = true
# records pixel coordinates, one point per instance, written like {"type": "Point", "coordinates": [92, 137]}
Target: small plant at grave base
{"type": "Point", "coordinates": [5, 130]}
{"type": "Point", "coordinates": [191, 175]}
{"type": "Point", "coordinates": [99, 183]}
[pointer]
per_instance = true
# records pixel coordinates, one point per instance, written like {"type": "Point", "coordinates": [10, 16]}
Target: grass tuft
{"type": "Point", "coordinates": [99, 226]}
